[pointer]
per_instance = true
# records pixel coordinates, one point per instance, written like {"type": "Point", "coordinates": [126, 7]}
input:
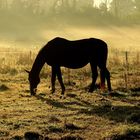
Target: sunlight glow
{"type": "Point", "coordinates": [97, 2]}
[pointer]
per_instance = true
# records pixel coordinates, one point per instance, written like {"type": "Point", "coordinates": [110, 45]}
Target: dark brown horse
{"type": "Point", "coordinates": [71, 54]}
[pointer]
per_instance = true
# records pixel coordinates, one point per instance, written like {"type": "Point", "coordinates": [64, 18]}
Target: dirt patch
{"type": "Point", "coordinates": [54, 119]}
{"type": "Point", "coordinates": [71, 126]}
{"type": "Point", "coordinates": [32, 136]}
{"type": "Point", "coordinates": [135, 89]}
{"type": "Point", "coordinates": [4, 87]}
{"type": "Point", "coordinates": [134, 118]}
{"type": "Point", "coordinates": [129, 135]}
{"type": "Point", "coordinates": [55, 129]}
{"type": "Point", "coordinates": [37, 136]}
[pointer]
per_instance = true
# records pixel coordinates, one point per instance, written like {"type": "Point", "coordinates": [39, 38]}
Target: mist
{"type": "Point", "coordinates": [36, 22]}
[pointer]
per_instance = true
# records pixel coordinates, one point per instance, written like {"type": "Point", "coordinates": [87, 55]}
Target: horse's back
{"type": "Point", "coordinates": [90, 44]}
{"type": "Point", "coordinates": [75, 53]}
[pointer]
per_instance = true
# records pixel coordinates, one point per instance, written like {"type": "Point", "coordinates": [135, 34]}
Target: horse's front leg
{"type": "Point", "coordinates": [59, 75]}
{"type": "Point", "coordinates": [53, 79]}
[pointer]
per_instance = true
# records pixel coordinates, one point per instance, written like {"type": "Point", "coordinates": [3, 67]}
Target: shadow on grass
{"type": "Point", "coordinates": [51, 102]}
{"type": "Point", "coordinates": [127, 97]}
{"type": "Point", "coordinates": [64, 104]}
{"type": "Point", "coordinates": [105, 109]}
{"type": "Point", "coordinates": [128, 135]}
{"type": "Point", "coordinates": [83, 102]}
{"type": "Point", "coordinates": [127, 114]}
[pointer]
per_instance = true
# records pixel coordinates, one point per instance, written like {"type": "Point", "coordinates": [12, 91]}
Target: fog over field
{"type": "Point", "coordinates": [32, 22]}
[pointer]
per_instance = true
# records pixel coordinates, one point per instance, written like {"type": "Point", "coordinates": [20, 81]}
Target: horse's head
{"type": "Point", "coordinates": [33, 81]}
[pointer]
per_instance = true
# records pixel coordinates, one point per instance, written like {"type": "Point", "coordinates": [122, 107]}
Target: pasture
{"type": "Point", "coordinates": [80, 115]}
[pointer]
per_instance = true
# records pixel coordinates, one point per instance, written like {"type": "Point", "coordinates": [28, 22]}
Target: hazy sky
{"type": "Point", "coordinates": [97, 2]}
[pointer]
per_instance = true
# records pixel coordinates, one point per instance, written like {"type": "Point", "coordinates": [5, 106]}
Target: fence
{"type": "Point", "coordinates": [124, 66]}
{"type": "Point", "coordinates": [128, 65]}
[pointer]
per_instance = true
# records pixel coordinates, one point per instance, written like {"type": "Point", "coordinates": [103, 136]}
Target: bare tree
{"type": "Point", "coordinates": [3, 4]}
{"type": "Point", "coordinates": [137, 5]}
{"type": "Point", "coordinates": [122, 8]}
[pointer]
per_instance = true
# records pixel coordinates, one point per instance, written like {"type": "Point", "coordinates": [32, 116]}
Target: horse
{"type": "Point", "coordinates": [60, 52]}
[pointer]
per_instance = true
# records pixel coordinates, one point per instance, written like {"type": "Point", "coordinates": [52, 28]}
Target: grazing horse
{"type": "Point", "coordinates": [71, 54]}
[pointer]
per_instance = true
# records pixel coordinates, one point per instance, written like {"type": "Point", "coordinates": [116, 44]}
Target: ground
{"type": "Point", "coordinates": [100, 115]}
{"type": "Point", "coordinates": [80, 114]}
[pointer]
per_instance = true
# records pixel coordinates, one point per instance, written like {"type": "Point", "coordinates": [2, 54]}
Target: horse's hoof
{"type": "Point", "coordinates": [52, 91]}
{"type": "Point", "coordinates": [62, 97]}
{"type": "Point", "coordinates": [90, 90]}
{"type": "Point", "coordinates": [33, 94]}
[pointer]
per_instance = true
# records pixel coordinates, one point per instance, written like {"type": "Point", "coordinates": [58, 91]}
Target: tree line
{"type": "Point", "coordinates": [108, 11]}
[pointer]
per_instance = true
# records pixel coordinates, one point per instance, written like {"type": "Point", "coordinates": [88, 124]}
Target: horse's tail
{"type": "Point", "coordinates": [103, 55]}
{"type": "Point", "coordinates": [104, 73]}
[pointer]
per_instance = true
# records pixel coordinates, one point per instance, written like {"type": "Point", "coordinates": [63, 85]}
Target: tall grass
{"type": "Point", "coordinates": [15, 61]}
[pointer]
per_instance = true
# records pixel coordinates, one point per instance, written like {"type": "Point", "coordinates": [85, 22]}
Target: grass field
{"type": "Point", "coordinates": [80, 115]}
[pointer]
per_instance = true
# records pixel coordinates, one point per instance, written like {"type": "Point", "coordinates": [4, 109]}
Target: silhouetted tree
{"type": "Point", "coordinates": [103, 8]}
{"type": "Point", "coordinates": [17, 5]}
{"type": "Point", "coordinates": [122, 8]}
{"type": "Point", "coordinates": [3, 4]}
{"type": "Point", "coordinates": [137, 5]}
{"type": "Point", "coordinates": [34, 6]}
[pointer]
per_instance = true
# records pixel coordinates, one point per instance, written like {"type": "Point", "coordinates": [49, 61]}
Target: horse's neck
{"type": "Point", "coordinates": [38, 64]}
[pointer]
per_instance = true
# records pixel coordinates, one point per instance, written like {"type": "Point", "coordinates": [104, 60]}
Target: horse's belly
{"type": "Point", "coordinates": [68, 62]}
{"type": "Point", "coordinates": [70, 58]}
{"type": "Point", "coordinates": [74, 65]}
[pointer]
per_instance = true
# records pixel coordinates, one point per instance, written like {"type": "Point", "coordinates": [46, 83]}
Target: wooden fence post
{"type": "Point", "coordinates": [126, 70]}
{"type": "Point", "coordinates": [137, 58]}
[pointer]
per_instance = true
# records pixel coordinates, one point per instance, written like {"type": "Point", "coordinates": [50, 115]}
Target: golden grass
{"type": "Point", "coordinates": [95, 114]}
{"type": "Point", "coordinates": [82, 115]}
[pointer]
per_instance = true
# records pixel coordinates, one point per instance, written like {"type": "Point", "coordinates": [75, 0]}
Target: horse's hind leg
{"type": "Point", "coordinates": [105, 74]}
{"type": "Point", "coordinates": [102, 78]}
{"type": "Point", "coordinates": [53, 78]}
{"type": "Point", "coordinates": [59, 75]}
{"type": "Point", "coordinates": [94, 77]}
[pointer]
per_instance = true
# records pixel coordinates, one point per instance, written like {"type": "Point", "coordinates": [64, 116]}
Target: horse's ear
{"type": "Point", "coordinates": [27, 71]}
